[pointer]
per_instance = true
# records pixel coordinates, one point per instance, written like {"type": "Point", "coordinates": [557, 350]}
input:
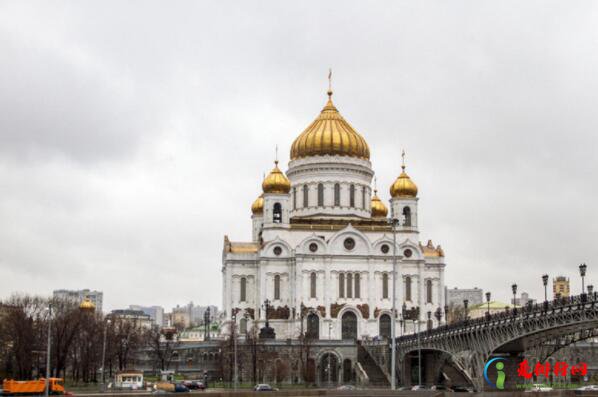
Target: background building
{"type": "Point", "coordinates": [156, 313]}
{"type": "Point", "coordinates": [456, 296]}
{"type": "Point", "coordinates": [523, 300]}
{"type": "Point", "coordinates": [136, 317]}
{"type": "Point", "coordinates": [560, 287]}
{"type": "Point", "coordinates": [77, 296]}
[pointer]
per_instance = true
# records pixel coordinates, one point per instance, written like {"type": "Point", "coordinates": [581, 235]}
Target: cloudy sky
{"type": "Point", "coordinates": [134, 135]}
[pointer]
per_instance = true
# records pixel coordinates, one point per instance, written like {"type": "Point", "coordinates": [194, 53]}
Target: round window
{"type": "Point", "coordinates": [407, 253]}
{"type": "Point", "coordinates": [277, 251]}
{"type": "Point", "coordinates": [385, 248]}
{"type": "Point", "coordinates": [349, 243]}
{"type": "Point", "coordinates": [313, 247]}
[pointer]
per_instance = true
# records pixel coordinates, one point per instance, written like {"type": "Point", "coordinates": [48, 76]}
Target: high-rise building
{"type": "Point", "coordinates": [560, 287]}
{"type": "Point", "coordinates": [77, 296]}
{"type": "Point", "coordinates": [156, 313]}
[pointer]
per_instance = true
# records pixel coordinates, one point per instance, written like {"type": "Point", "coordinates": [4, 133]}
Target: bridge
{"type": "Point", "coordinates": [463, 348]}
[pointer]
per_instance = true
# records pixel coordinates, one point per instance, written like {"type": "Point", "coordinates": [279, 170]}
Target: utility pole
{"type": "Point", "coordinates": [47, 380]}
{"type": "Point", "coordinates": [104, 355]}
{"type": "Point", "coordinates": [234, 335]}
{"type": "Point", "coordinates": [393, 324]}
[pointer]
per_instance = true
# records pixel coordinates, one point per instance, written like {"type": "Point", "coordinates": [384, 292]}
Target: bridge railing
{"type": "Point", "coordinates": [516, 314]}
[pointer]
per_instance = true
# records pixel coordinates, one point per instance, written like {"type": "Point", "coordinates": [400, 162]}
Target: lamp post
{"type": "Point", "coordinates": [582, 273]}
{"type": "Point", "coordinates": [545, 282]}
{"type": "Point", "coordinates": [465, 304]}
{"type": "Point", "coordinates": [590, 290]}
{"type": "Point", "coordinates": [329, 367]}
{"type": "Point", "coordinates": [429, 324]}
{"type": "Point", "coordinates": [446, 309]}
{"type": "Point", "coordinates": [393, 324]}
{"type": "Point", "coordinates": [104, 354]}
{"type": "Point", "coordinates": [419, 351]}
{"type": "Point", "coordinates": [514, 289]}
{"type": "Point", "coordinates": [47, 380]}
{"type": "Point", "coordinates": [488, 295]}
{"type": "Point", "coordinates": [234, 336]}
{"type": "Point", "coordinates": [404, 311]}
{"type": "Point", "coordinates": [206, 324]}
{"type": "Point", "coordinates": [438, 315]}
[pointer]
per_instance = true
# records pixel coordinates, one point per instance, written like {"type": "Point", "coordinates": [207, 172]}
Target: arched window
{"type": "Point", "coordinates": [320, 195]}
{"type": "Point", "coordinates": [341, 285]}
{"type": "Point", "coordinates": [407, 215]}
{"type": "Point", "coordinates": [408, 288]}
{"type": "Point", "coordinates": [277, 287]}
{"type": "Point", "coordinates": [385, 286]}
{"type": "Point", "coordinates": [313, 326]}
{"type": "Point", "coordinates": [357, 286]}
{"type": "Point", "coordinates": [385, 326]}
{"type": "Point", "coordinates": [277, 213]}
{"type": "Point", "coordinates": [312, 285]}
{"type": "Point", "coordinates": [429, 291]}
{"type": "Point", "coordinates": [243, 326]}
{"type": "Point", "coordinates": [352, 196]}
{"type": "Point", "coordinates": [243, 291]}
{"type": "Point", "coordinates": [349, 285]}
{"type": "Point", "coordinates": [363, 203]}
{"type": "Point", "coordinates": [305, 196]}
{"type": "Point", "coordinates": [337, 194]}
{"type": "Point", "coordinates": [294, 198]}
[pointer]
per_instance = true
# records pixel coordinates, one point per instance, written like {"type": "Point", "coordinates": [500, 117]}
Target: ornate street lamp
{"type": "Point", "coordinates": [582, 273]}
{"type": "Point", "coordinates": [590, 290]}
{"type": "Point", "coordinates": [206, 324]}
{"type": "Point", "coordinates": [429, 327]}
{"type": "Point", "coordinates": [446, 309]}
{"type": "Point", "coordinates": [438, 315]}
{"type": "Point", "coordinates": [465, 304]}
{"type": "Point", "coordinates": [545, 282]}
{"type": "Point", "coordinates": [488, 295]}
{"type": "Point", "coordinates": [514, 289]}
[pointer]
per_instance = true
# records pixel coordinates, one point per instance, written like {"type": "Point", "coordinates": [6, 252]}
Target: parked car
{"type": "Point", "coordinates": [180, 388]}
{"type": "Point", "coordinates": [264, 387]}
{"type": "Point", "coordinates": [194, 384]}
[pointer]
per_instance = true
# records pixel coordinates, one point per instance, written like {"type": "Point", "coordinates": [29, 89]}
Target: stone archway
{"type": "Point", "coordinates": [328, 369]}
{"type": "Point", "coordinates": [349, 325]}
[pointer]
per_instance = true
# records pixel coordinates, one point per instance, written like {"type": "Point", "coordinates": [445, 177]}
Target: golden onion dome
{"type": "Point", "coordinates": [330, 134]}
{"type": "Point", "coordinates": [379, 210]}
{"type": "Point", "coordinates": [403, 186]}
{"type": "Point", "coordinates": [87, 305]}
{"type": "Point", "coordinates": [258, 205]}
{"type": "Point", "coordinates": [276, 181]}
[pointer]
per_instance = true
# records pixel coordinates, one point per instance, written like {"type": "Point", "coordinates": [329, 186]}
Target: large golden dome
{"type": "Point", "coordinates": [87, 305]}
{"type": "Point", "coordinates": [258, 205]}
{"type": "Point", "coordinates": [330, 134]}
{"type": "Point", "coordinates": [403, 186]}
{"type": "Point", "coordinates": [379, 210]}
{"type": "Point", "coordinates": [276, 181]}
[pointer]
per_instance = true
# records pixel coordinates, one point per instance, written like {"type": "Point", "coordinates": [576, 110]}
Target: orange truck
{"type": "Point", "coordinates": [32, 387]}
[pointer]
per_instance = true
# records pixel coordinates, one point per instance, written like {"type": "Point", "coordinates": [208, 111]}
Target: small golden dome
{"type": "Point", "coordinates": [403, 186]}
{"type": "Point", "coordinates": [87, 304]}
{"type": "Point", "coordinates": [276, 181]}
{"type": "Point", "coordinates": [258, 205]}
{"type": "Point", "coordinates": [379, 210]}
{"type": "Point", "coordinates": [330, 134]}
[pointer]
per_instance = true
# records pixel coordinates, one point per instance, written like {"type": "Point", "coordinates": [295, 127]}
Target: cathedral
{"type": "Point", "coordinates": [320, 261]}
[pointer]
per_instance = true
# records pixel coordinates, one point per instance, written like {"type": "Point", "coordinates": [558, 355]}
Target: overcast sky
{"type": "Point", "coordinates": [134, 135]}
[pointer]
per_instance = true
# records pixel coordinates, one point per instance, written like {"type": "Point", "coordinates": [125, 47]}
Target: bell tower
{"type": "Point", "coordinates": [404, 199]}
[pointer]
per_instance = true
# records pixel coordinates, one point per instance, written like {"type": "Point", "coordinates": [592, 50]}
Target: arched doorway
{"type": "Point", "coordinates": [385, 326]}
{"type": "Point", "coordinates": [313, 326]}
{"type": "Point", "coordinates": [328, 369]}
{"type": "Point", "coordinates": [347, 371]}
{"type": "Point", "coordinates": [349, 325]}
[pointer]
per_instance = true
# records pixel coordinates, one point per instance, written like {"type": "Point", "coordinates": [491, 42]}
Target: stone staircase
{"type": "Point", "coordinates": [377, 377]}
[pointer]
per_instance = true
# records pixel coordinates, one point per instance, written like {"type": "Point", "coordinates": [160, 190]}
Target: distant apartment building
{"type": "Point", "coordinates": [560, 287]}
{"type": "Point", "coordinates": [77, 296]}
{"type": "Point", "coordinates": [190, 315]}
{"type": "Point", "coordinates": [156, 313]}
{"type": "Point", "coordinates": [524, 300]}
{"type": "Point", "coordinates": [136, 317]}
{"type": "Point", "coordinates": [456, 296]}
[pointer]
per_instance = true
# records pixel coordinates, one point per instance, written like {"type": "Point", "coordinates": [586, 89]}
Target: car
{"type": "Point", "coordinates": [194, 384]}
{"type": "Point", "coordinates": [418, 387]}
{"type": "Point", "coordinates": [538, 387]}
{"type": "Point", "coordinates": [264, 387]}
{"type": "Point", "coordinates": [180, 388]}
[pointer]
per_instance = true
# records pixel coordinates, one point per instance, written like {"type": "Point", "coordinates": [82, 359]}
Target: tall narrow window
{"type": "Point", "coordinates": [363, 204]}
{"type": "Point", "coordinates": [320, 195]}
{"type": "Point", "coordinates": [408, 288]}
{"type": "Point", "coordinates": [277, 213]}
{"type": "Point", "coordinates": [341, 285]}
{"type": "Point", "coordinates": [305, 193]}
{"type": "Point", "coordinates": [357, 286]}
{"type": "Point", "coordinates": [385, 286]}
{"type": "Point", "coordinates": [352, 196]}
{"type": "Point", "coordinates": [349, 285]}
{"type": "Point", "coordinates": [312, 285]}
{"type": "Point", "coordinates": [277, 287]}
{"type": "Point", "coordinates": [243, 326]}
{"type": "Point", "coordinates": [294, 198]}
{"type": "Point", "coordinates": [429, 291]}
{"type": "Point", "coordinates": [243, 292]}
{"type": "Point", "coordinates": [407, 215]}
{"type": "Point", "coordinates": [337, 194]}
